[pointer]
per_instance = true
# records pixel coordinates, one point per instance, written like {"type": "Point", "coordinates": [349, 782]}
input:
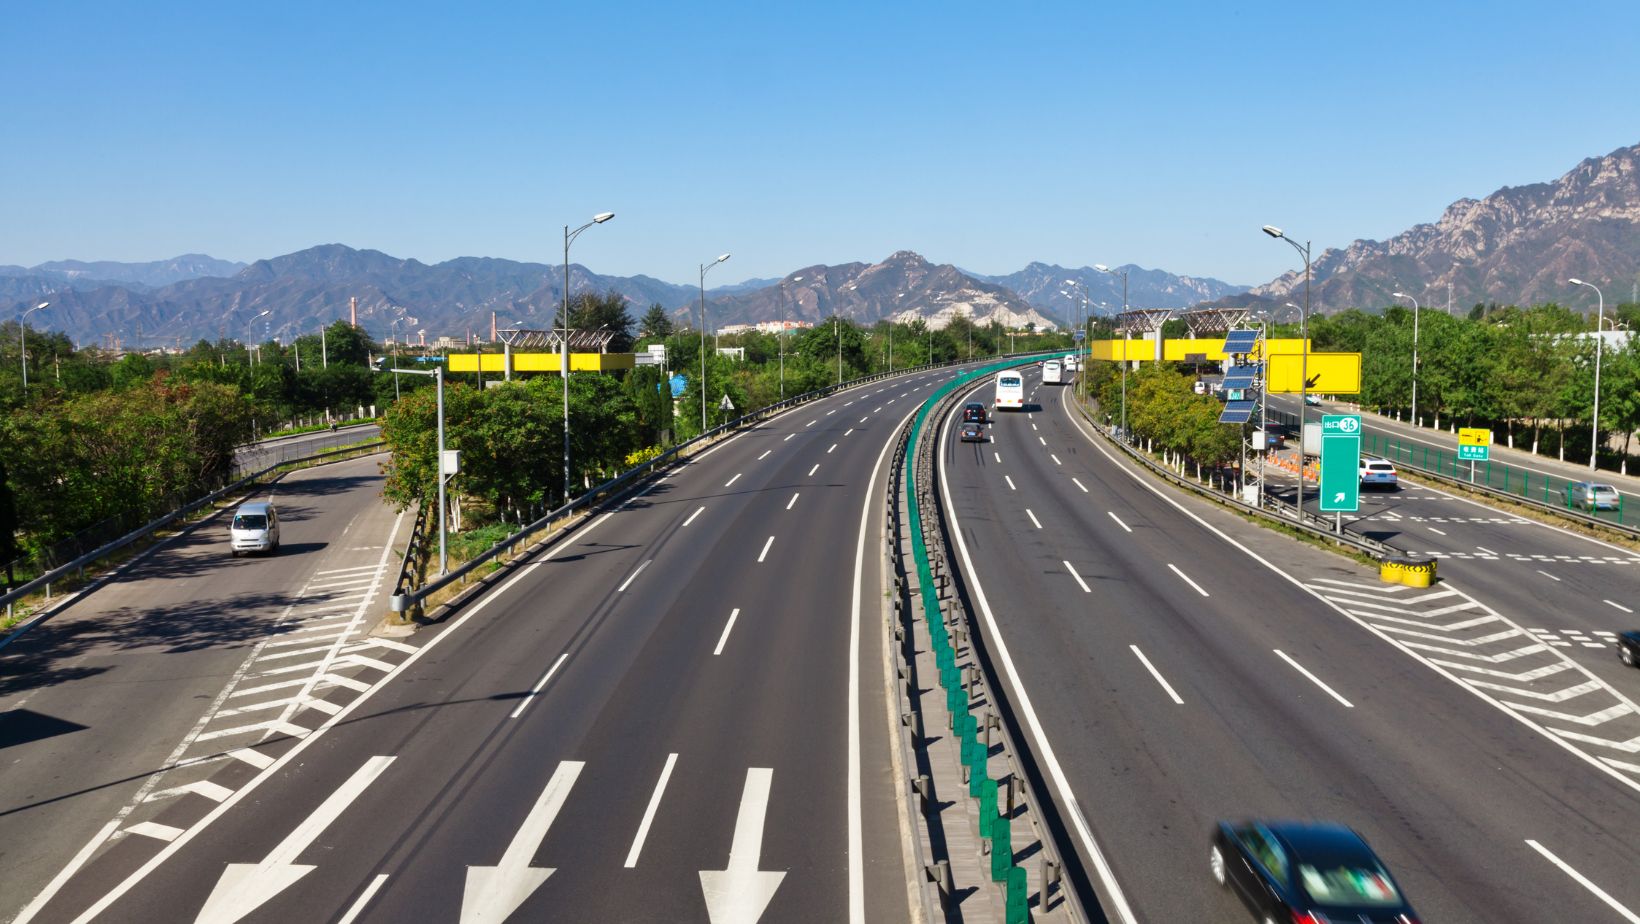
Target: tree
{"type": "Point", "coordinates": [656, 324]}
{"type": "Point", "coordinates": [590, 311]}
{"type": "Point", "coordinates": [8, 524]}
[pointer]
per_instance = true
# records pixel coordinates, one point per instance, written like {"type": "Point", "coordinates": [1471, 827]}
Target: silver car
{"type": "Point", "coordinates": [1593, 496]}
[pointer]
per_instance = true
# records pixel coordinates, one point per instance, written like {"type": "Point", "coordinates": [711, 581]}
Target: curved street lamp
{"type": "Point", "coordinates": [563, 344]}
{"type": "Point", "coordinates": [22, 334]}
{"type": "Point", "coordinates": [704, 267]}
{"type": "Point", "coordinates": [1303, 347]}
{"type": "Point", "coordinates": [1599, 341]}
{"type": "Point", "coordinates": [1414, 355]}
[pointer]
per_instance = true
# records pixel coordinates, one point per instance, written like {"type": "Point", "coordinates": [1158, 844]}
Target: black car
{"type": "Point", "coordinates": [973, 433]}
{"type": "Point", "coordinates": [1309, 871]}
{"type": "Point", "coordinates": [1628, 648]}
{"type": "Point", "coordinates": [973, 412]}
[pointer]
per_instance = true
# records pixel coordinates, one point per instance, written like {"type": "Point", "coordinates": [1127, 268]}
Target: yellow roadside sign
{"type": "Point", "coordinates": [1329, 373]}
{"type": "Point", "coordinates": [1474, 436]}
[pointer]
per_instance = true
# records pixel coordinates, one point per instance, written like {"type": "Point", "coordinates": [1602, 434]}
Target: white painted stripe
{"type": "Point", "coordinates": [793, 500]}
{"type": "Point", "coordinates": [1033, 518]}
{"type": "Point", "coordinates": [309, 639]}
{"type": "Point", "coordinates": [1313, 678]}
{"type": "Point", "coordinates": [693, 515]}
{"type": "Point", "coordinates": [212, 791]}
{"type": "Point", "coordinates": [812, 422]}
{"type": "Point", "coordinates": [288, 728]}
{"type": "Point", "coordinates": [813, 470]}
{"type": "Point", "coordinates": [649, 813]}
{"type": "Point", "coordinates": [1042, 441]}
{"type": "Point", "coordinates": [1010, 481]}
{"type": "Point", "coordinates": [1186, 579]}
{"type": "Point", "coordinates": [1157, 674]}
{"type": "Point", "coordinates": [364, 899]}
{"type": "Point", "coordinates": [633, 575]}
{"type": "Point", "coordinates": [732, 480]}
{"type": "Point", "coordinates": [1435, 531]}
{"type": "Point", "coordinates": [848, 431]}
{"type": "Point", "coordinates": [1483, 548]}
{"type": "Point", "coordinates": [1118, 520]}
{"type": "Point", "coordinates": [538, 685]}
{"type": "Point", "coordinates": [833, 446]}
{"type": "Point", "coordinates": [765, 455]}
{"type": "Point", "coordinates": [363, 661]}
{"type": "Point", "coordinates": [1055, 459]}
{"type": "Point", "coordinates": [1548, 575]}
{"type": "Point", "coordinates": [352, 570]}
{"type": "Point", "coordinates": [1080, 485]}
{"type": "Point", "coordinates": [155, 830]}
{"type": "Point", "coordinates": [879, 407]}
{"type": "Point", "coordinates": [724, 638]}
{"type": "Point", "coordinates": [255, 758]}
{"type": "Point", "coordinates": [1583, 881]}
{"type": "Point", "coordinates": [788, 436]}
{"type": "Point", "coordinates": [1082, 583]}
{"type": "Point", "coordinates": [765, 552]}
{"type": "Point", "coordinates": [831, 412]}
{"type": "Point", "coordinates": [1618, 605]}
{"type": "Point", "coordinates": [1033, 426]}
{"type": "Point", "coordinates": [371, 641]}
{"type": "Point", "coordinates": [997, 456]}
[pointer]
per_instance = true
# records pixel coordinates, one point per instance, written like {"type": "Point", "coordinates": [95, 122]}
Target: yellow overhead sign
{"type": "Point", "coordinates": [1474, 436]}
{"type": "Point", "coordinates": [541, 362]}
{"type": "Point", "coordinates": [1329, 373]}
{"type": "Point", "coordinates": [1178, 349]}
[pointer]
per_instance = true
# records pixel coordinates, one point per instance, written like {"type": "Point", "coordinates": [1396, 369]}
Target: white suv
{"type": "Point", "coordinates": [1379, 472]}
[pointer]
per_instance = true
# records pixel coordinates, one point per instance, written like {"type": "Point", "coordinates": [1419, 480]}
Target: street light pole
{"type": "Point", "coordinates": [250, 331]}
{"type": "Point", "coordinates": [1304, 354]}
{"type": "Point", "coordinates": [837, 331]}
{"type": "Point", "coordinates": [1599, 341]}
{"type": "Point", "coordinates": [703, 269]}
{"type": "Point", "coordinates": [1124, 274]}
{"type": "Point", "coordinates": [437, 373]}
{"type": "Point", "coordinates": [1414, 354]}
{"type": "Point", "coordinates": [783, 308]}
{"type": "Point", "coordinates": [563, 342]}
{"type": "Point", "coordinates": [22, 340]}
{"type": "Point", "coordinates": [1081, 360]}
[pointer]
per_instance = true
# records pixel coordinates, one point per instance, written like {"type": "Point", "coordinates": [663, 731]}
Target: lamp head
{"type": "Point", "coordinates": [1400, 295]}
{"type": "Point", "coordinates": [602, 217]}
{"type": "Point", "coordinates": [1577, 282]}
{"type": "Point", "coordinates": [1293, 306]}
{"type": "Point", "coordinates": [1273, 231]}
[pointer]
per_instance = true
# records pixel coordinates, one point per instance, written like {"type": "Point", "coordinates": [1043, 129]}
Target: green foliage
{"type": "Point", "coordinates": [656, 324]}
{"type": "Point", "coordinates": [590, 311]}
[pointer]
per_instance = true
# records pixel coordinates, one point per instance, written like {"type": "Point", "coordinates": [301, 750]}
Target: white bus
{"type": "Point", "coordinates": [1053, 372]}
{"type": "Point", "coordinates": [1010, 391]}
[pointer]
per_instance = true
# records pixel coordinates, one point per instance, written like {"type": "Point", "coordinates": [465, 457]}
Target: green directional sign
{"type": "Point", "coordinates": [1340, 463]}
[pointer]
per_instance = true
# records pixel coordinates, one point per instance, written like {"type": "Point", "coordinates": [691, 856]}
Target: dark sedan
{"type": "Point", "coordinates": [973, 433]}
{"type": "Point", "coordinates": [973, 412]}
{"type": "Point", "coordinates": [1628, 648]}
{"type": "Point", "coordinates": [1306, 871]}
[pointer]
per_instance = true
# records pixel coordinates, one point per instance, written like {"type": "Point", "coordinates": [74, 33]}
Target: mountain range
{"type": "Point", "coordinates": [183, 300]}
{"type": "Point", "coordinates": [1518, 245]}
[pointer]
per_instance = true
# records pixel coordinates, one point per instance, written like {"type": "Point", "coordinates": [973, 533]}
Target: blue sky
{"type": "Point", "coordinates": [985, 135]}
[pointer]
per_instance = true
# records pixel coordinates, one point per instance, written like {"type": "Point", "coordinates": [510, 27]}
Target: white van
{"type": "Point", "coordinates": [1053, 373]}
{"type": "Point", "coordinates": [255, 528]}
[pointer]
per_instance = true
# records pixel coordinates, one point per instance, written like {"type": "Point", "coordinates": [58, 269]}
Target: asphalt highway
{"type": "Point", "coordinates": [1177, 679]}
{"type": "Point", "coordinates": [674, 714]}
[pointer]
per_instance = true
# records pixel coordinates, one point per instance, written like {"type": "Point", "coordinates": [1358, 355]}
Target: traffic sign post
{"type": "Point", "coordinates": [1340, 463]}
{"type": "Point", "coordinates": [1474, 445]}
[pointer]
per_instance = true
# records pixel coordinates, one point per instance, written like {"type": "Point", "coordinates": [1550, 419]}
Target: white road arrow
{"type": "Point", "coordinates": [493, 893]}
{"type": "Point", "coordinates": [739, 894]}
{"type": "Point", "coordinates": [244, 887]}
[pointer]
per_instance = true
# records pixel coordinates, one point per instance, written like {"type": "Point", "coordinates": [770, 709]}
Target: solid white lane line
{"type": "Point", "coordinates": [788, 436]}
{"type": "Point", "coordinates": [1618, 605]}
{"type": "Point", "coordinates": [1055, 459]}
{"type": "Point", "coordinates": [765, 455]}
{"type": "Point", "coordinates": [795, 496]}
{"type": "Point", "coordinates": [634, 575]}
{"type": "Point", "coordinates": [724, 638]}
{"type": "Point", "coordinates": [693, 515]}
{"type": "Point", "coordinates": [765, 551]}
{"type": "Point", "coordinates": [538, 685]}
{"type": "Point", "coordinates": [364, 899]}
{"type": "Point", "coordinates": [998, 456]}
{"type": "Point", "coordinates": [1010, 481]}
{"type": "Point", "coordinates": [1583, 881]}
{"type": "Point", "coordinates": [1033, 518]}
{"type": "Point", "coordinates": [1183, 576]}
{"type": "Point", "coordinates": [732, 480]}
{"type": "Point", "coordinates": [649, 813]}
{"type": "Point", "coordinates": [1548, 575]}
{"type": "Point", "coordinates": [1313, 678]}
{"type": "Point", "coordinates": [1157, 674]}
{"type": "Point", "coordinates": [1080, 485]}
{"type": "Point", "coordinates": [1118, 520]}
{"type": "Point", "coordinates": [1084, 584]}
{"type": "Point", "coordinates": [813, 470]}
{"type": "Point", "coordinates": [1435, 531]}
{"type": "Point", "coordinates": [833, 446]}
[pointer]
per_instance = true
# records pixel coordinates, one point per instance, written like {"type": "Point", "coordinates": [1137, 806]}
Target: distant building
{"type": "Point", "coordinates": [766, 327]}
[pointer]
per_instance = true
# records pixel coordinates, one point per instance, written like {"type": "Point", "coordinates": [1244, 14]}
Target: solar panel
{"type": "Point", "coordinates": [1236, 412]}
{"type": "Point", "coordinates": [1241, 376]}
{"type": "Point", "coordinates": [1240, 341]}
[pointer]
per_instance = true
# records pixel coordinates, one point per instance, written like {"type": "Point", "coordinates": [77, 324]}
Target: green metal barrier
{"type": "Point", "coordinates": [1499, 476]}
